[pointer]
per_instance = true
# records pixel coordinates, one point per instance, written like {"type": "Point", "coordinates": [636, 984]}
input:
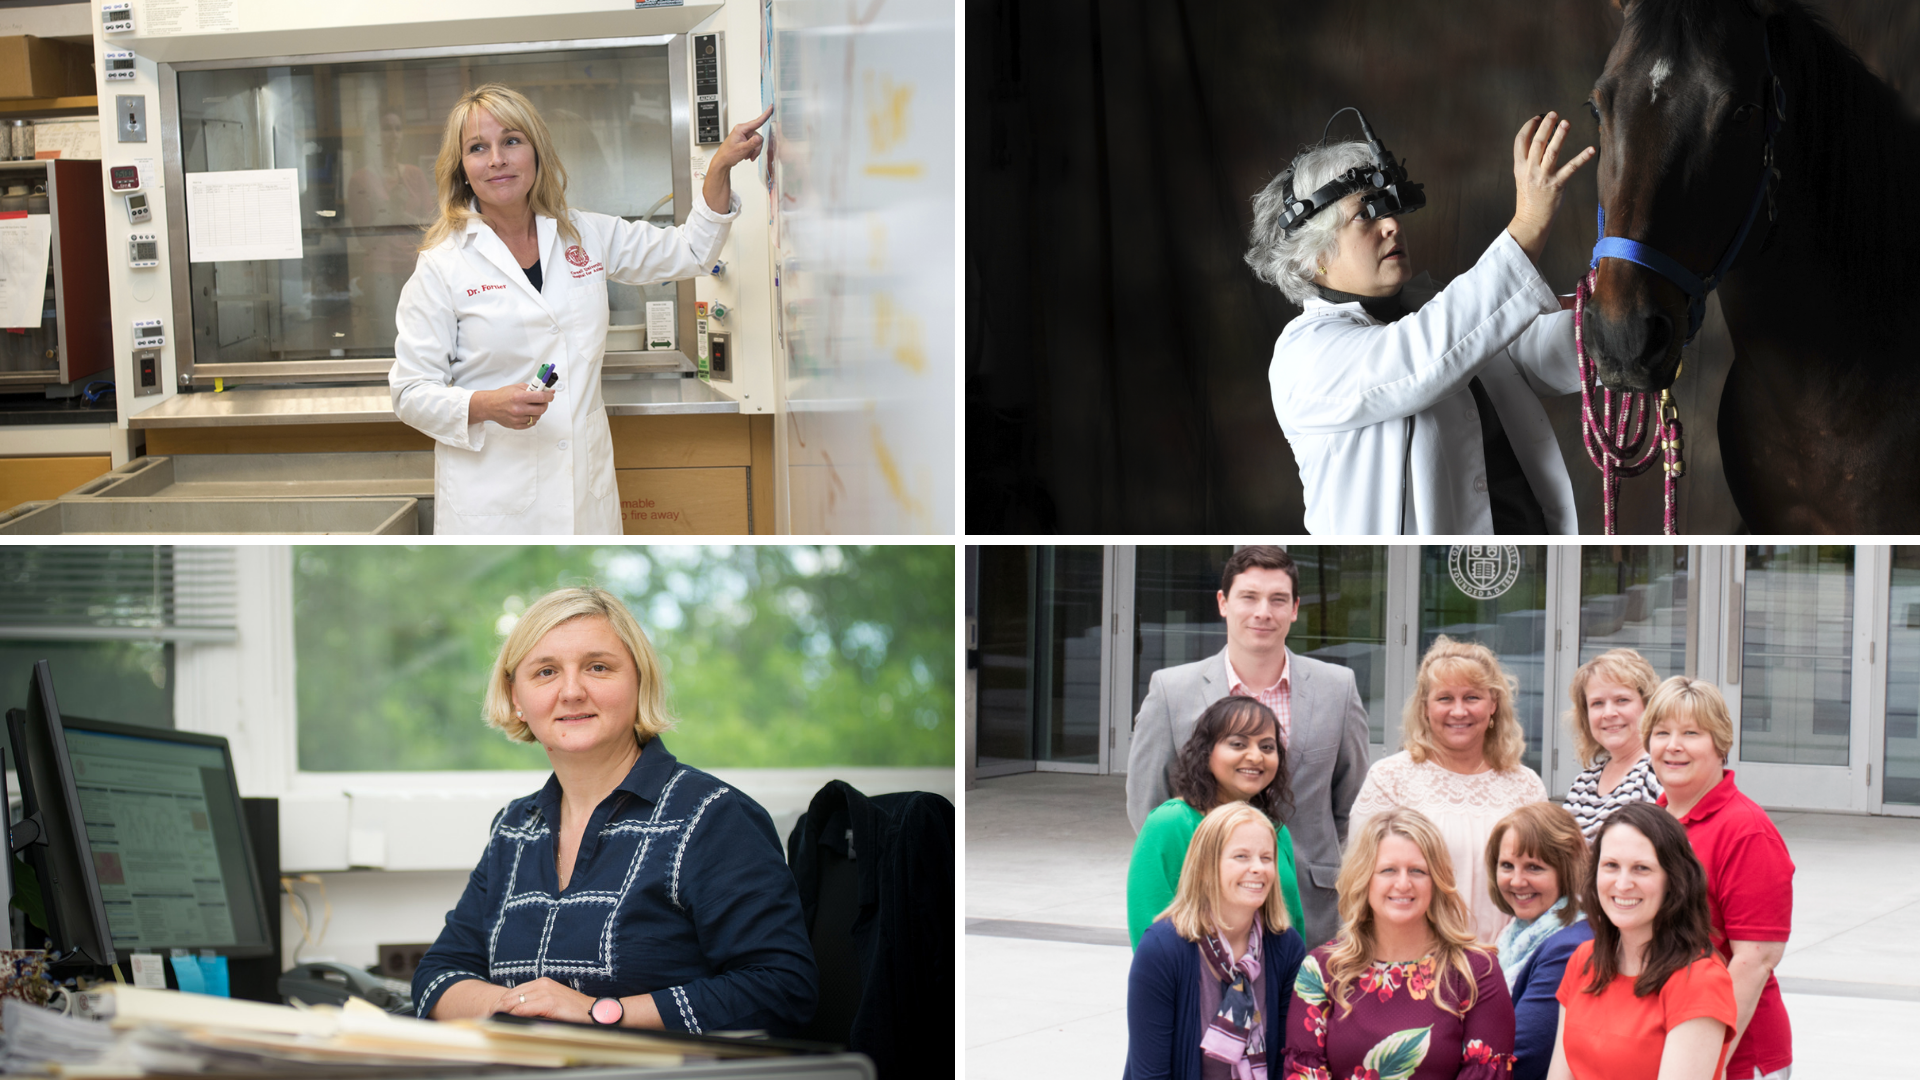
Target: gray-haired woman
{"type": "Point", "coordinates": [1410, 408]}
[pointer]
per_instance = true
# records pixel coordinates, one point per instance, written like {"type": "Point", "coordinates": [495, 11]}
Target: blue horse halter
{"type": "Point", "coordinates": [1697, 288]}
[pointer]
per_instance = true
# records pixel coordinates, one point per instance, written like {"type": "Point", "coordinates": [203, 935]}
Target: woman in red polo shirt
{"type": "Point", "coordinates": [1647, 996]}
{"type": "Point", "coordinates": [1689, 732]}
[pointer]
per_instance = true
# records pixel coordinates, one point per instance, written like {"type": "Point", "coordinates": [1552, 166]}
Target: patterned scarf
{"type": "Point", "coordinates": [1519, 939]}
{"type": "Point", "coordinates": [1237, 1033]}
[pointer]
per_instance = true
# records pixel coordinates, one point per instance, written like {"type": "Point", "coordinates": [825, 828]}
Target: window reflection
{"type": "Point", "coordinates": [1495, 595]}
{"type": "Point", "coordinates": [1343, 620]}
{"type": "Point", "coordinates": [1634, 596]}
{"type": "Point", "coordinates": [1796, 675]}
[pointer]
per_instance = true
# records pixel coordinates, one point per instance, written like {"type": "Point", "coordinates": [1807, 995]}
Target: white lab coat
{"type": "Point", "coordinates": [1344, 385]}
{"type": "Point", "coordinates": [470, 320]}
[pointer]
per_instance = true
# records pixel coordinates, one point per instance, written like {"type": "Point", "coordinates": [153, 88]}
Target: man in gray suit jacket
{"type": "Point", "coordinates": [1325, 723]}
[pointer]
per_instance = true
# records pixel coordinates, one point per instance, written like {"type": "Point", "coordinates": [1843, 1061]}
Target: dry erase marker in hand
{"type": "Point", "coordinates": [545, 377]}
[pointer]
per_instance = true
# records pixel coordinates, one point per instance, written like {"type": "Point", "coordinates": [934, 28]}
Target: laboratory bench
{"type": "Point", "coordinates": [48, 446]}
{"type": "Point", "coordinates": [686, 460]}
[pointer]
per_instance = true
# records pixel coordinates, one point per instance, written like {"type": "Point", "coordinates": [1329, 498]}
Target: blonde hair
{"type": "Point", "coordinates": [1549, 833]}
{"type": "Point", "coordinates": [563, 606]}
{"type": "Point", "coordinates": [1622, 666]}
{"type": "Point", "coordinates": [1446, 659]}
{"type": "Point", "coordinates": [1697, 701]}
{"type": "Point", "coordinates": [1353, 950]}
{"type": "Point", "coordinates": [451, 190]}
{"type": "Point", "coordinates": [1196, 903]}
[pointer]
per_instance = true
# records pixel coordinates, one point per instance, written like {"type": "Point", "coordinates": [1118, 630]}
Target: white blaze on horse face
{"type": "Point", "coordinates": [1661, 69]}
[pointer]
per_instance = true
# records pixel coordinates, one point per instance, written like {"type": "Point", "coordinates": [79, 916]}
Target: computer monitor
{"type": "Point", "coordinates": [167, 854]}
{"type": "Point", "coordinates": [51, 832]}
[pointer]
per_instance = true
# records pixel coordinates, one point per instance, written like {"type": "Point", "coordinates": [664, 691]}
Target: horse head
{"type": "Point", "coordinates": [1682, 110]}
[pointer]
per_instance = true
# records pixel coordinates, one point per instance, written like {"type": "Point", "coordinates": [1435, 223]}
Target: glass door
{"type": "Point", "coordinates": [1169, 616]}
{"type": "Point", "coordinates": [1631, 596]}
{"type": "Point", "coordinates": [1003, 679]}
{"type": "Point", "coordinates": [1795, 677]}
{"type": "Point", "coordinates": [1497, 595]}
{"type": "Point", "coordinates": [1900, 780]}
{"type": "Point", "coordinates": [1042, 660]}
{"type": "Point", "coordinates": [1343, 620]}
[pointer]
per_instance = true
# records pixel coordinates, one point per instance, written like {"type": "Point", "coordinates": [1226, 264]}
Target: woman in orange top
{"type": "Point", "coordinates": [1647, 996]}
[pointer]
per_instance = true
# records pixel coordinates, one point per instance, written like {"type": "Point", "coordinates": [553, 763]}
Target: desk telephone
{"type": "Point", "coordinates": [328, 983]}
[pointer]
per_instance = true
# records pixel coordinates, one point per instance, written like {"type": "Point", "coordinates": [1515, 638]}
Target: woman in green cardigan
{"type": "Point", "coordinates": [1234, 755]}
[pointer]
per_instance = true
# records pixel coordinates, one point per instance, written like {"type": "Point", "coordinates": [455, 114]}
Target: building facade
{"type": "Point", "coordinates": [1816, 647]}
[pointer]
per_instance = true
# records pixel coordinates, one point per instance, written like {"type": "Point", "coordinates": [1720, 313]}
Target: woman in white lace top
{"type": "Point", "coordinates": [1609, 694]}
{"type": "Point", "coordinates": [1461, 766]}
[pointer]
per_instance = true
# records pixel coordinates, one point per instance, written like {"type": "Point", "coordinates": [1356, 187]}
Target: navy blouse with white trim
{"type": "Point", "coordinates": [680, 889]}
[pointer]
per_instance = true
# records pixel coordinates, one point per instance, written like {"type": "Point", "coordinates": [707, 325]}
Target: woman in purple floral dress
{"type": "Point", "coordinates": [1405, 992]}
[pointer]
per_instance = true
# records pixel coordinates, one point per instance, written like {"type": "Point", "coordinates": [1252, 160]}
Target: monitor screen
{"type": "Point", "coordinates": [170, 852]}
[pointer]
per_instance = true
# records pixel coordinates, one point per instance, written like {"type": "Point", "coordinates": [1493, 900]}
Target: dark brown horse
{"type": "Point", "coordinates": [1820, 419]}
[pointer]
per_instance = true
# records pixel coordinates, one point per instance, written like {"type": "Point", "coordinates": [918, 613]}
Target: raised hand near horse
{"type": "Point", "coordinates": [1538, 184]}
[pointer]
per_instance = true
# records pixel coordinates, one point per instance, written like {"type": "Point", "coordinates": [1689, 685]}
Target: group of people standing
{"type": "Point", "coordinates": [1461, 925]}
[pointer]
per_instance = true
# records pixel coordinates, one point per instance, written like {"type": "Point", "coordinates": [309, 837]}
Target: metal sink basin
{"type": "Point", "coordinates": [270, 476]}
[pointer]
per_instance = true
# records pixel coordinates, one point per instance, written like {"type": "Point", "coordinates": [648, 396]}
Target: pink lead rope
{"type": "Point", "coordinates": [1616, 436]}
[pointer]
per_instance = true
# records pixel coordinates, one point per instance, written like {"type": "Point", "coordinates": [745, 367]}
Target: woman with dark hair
{"type": "Point", "coordinates": [1233, 755]}
{"type": "Point", "coordinates": [1537, 869]}
{"type": "Point", "coordinates": [1647, 996]}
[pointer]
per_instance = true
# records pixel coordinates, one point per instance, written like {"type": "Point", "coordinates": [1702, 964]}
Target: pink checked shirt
{"type": "Point", "coordinates": [1278, 697]}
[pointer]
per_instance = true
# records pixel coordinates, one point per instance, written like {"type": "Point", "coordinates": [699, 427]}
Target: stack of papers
{"type": "Point", "coordinates": [134, 1032]}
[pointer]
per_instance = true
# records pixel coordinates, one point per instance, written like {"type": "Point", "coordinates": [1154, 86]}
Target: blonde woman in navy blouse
{"type": "Point", "coordinates": [631, 890]}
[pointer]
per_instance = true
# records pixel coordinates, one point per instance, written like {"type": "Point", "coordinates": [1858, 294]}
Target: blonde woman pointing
{"type": "Point", "coordinates": [503, 325]}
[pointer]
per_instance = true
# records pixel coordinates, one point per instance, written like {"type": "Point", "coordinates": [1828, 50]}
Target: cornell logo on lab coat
{"type": "Point", "coordinates": [1483, 571]}
{"type": "Point", "coordinates": [576, 256]}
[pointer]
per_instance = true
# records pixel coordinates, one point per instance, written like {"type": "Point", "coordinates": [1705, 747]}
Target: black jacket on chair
{"type": "Point", "coordinates": [876, 891]}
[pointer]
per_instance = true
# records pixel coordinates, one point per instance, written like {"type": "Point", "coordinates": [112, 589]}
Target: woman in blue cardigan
{"type": "Point", "coordinates": [1212, 975]}
{"type": "Point", "coordinates": [1536, 867]}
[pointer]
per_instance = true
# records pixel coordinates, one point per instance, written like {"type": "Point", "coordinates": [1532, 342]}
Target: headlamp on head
{"type": "Point", "coordinates": [1384, 180]}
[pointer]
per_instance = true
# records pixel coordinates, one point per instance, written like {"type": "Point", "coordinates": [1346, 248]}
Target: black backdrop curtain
{"type": "Point", "coordinates": [1117, 346]}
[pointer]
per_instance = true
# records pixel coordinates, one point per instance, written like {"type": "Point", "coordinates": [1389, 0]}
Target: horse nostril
{"type": "Point", "coordinates": [1659, 331]}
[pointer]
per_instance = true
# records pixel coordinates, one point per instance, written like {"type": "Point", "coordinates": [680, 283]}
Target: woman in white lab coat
{"type": "Point", "coordinates": [511, 280]}
{"type": "Point", "coordinates": [1409, 408]}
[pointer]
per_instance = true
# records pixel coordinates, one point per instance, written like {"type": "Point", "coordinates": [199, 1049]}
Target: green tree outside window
{"type": "Point", "coordinates": [789, 656]}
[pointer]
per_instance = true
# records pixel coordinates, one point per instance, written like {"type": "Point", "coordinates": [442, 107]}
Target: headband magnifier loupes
{"type": "Point", "coordinates": [1384, 182]}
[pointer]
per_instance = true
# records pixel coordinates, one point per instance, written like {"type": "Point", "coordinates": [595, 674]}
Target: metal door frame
{"type": "Point", "coordinates": [1834, 788]}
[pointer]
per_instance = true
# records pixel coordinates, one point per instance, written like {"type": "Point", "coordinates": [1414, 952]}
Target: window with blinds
{"type": "Point", "coordinates": [108, 620]}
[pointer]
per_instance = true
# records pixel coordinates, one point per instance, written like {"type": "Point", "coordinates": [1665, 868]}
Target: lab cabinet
{"type": "Point", "coordinates": [359, 135]}
{"type": "Point", "coordinates": [73, 339]}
